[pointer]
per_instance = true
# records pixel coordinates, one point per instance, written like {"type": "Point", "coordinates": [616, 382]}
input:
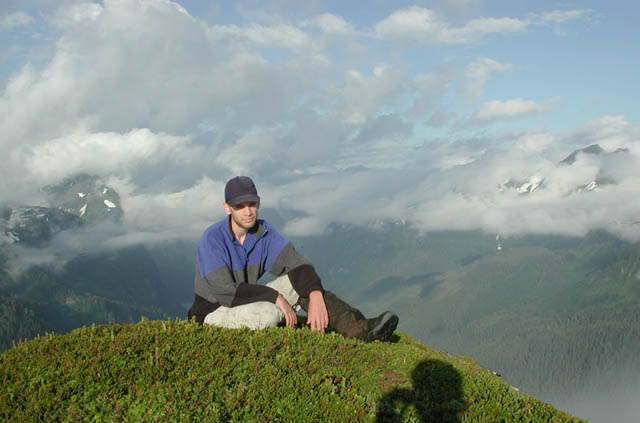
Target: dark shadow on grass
{"type": "Point", "coordinates": [436, 396]}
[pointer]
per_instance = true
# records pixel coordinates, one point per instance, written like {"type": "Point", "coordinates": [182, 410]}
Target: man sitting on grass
{"type": "Point", "coordinates": [234, 253]}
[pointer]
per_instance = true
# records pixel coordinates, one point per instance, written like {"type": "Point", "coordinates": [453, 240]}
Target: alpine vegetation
{"type": "Point", "coordinates": [184, 372]}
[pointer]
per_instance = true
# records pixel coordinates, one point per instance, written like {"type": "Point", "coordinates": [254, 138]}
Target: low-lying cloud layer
{"type": "Point", "coordinates": [321, 112]}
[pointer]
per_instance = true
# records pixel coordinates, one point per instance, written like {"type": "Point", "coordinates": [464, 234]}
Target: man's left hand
{"type": "Point", "coordinates": [317, 316]}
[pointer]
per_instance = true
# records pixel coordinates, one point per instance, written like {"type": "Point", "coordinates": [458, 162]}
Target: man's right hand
{"type": "Point", "coordinates": [290, 316]}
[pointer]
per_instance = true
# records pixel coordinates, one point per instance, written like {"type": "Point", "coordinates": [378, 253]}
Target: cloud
{"type": "Point", "coordinates": [106, 153]}
{"type": "Point", "coordinates": [610, 395]}
{"type": "Point", "coordinates": [560, 16]}
{"type": "Point", "coordinates": [427, 26]}
{"type": "Point", "coordinates": [154, 217]}
{"type": "Point", "coordinates": [495, 110]}
{"type": "Point", "coordinates": [384, 127]}
{"type": "Point", "coordinates": [610, 132]}
{"type": "Point", "coordinates": [477, 28]}
{"type": "Point", "coordinates": [479, 72]}
{"type": "Point", "coordinates": [280, 35]}
{"type": "Point", "coordinates": [364, 95]}
{"type": "Point", "coordinates": [169, 107]}
{"type": "Point", "coordinates": [78, 14]}
{"type": "Point", "coordinates": [254, 153]}
{"type": "Point", "coordinates": [467, 197]}
{"type": "Point", "coordinates": [152, 66]}
{"type": "Point", "coordinates": [358, 196]}
{"type": "Point", "coordinates": [64, 246]}
{"type": "Point", "coordinates": [14, 20]}
{"type": "Point", "coordinates": [460, 3]}
{"type": "Point", "coordinates": [413, 23]}
{"type": "Point", "coordinates": [330, 24]}
{"type": "Point", "coordinates": [429, 91]}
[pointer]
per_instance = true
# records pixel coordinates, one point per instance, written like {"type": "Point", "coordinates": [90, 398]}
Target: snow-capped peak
{"type": "Point", "coordinates": [533, 184]}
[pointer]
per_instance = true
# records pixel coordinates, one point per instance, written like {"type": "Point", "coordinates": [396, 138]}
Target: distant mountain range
{"type": "Point", "coordinates": [536, 182]}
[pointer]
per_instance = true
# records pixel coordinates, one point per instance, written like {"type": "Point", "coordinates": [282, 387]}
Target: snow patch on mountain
{"type": "Point", "coordinates": [86, 196]}
{"type": "Point", "coordinates": [533, 184]}
{"type": "Point", "coordinates": [596, 156]}
{"type": "Point", "coordinates": [35, 226]}
{"type": "Point", "coordinates": [9, 237]}
{"type": "Point", "coordinates": [591, 186]}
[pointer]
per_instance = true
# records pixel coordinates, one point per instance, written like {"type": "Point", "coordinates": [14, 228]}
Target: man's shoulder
{"type": "Point", "coordinates": [268, 228]}
{"type": "Point", "coordinates": [215, 231]}
{"type": "Point", "coordinates": [266, 225]}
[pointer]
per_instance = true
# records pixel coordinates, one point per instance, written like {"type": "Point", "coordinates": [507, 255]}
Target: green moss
{"type": "Point", "coordinates": [179, 371]}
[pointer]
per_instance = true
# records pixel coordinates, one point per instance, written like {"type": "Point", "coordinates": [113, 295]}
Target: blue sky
{"type": "Point", "coordinates": [588, 62]}
{"type": "Point", "coordinates": [437, 113]}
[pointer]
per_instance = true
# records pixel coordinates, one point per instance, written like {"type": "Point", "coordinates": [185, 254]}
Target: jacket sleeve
{"type": "Point", "coordinates": [215, 282]}
{"type": "Point", "coordinates": [219, 287]}
{"type": "Point", "coordinates": [302, 275]}
{"type": "Point", "coordinates": [304, 279]}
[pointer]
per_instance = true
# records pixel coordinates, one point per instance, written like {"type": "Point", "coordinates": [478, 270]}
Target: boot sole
{"type": "Point", "coordinates": [383, 330]}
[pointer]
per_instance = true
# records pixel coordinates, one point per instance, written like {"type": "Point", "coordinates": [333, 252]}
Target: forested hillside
{"type": "Point", "coordinates": [120, 286]}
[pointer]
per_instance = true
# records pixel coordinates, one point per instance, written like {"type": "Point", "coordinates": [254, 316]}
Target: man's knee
{"type": "Point", "coordinates": [284, 287]}
{"type": "Point", "coordinates": [258, 315]}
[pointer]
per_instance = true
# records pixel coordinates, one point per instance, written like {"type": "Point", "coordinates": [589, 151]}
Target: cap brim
{"type": "Point", "coordinates": [244, 199]}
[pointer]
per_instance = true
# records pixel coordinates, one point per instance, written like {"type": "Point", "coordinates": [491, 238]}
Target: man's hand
{"type": "Point", "coordinates": [317, 316]}
{"type": "Point", "coordinates": [290, 316]}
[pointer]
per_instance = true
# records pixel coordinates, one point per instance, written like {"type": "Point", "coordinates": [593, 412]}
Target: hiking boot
{"type": "Point", "coordinates": [351, 323]}
{"type": "Point", "coordinates": [381, 328]}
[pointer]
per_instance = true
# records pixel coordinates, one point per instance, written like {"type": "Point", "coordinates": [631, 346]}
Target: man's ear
{"type": "Point", "coordinates": [227, 208]}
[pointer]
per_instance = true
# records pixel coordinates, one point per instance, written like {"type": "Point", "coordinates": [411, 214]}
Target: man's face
{"type": "Point", "coordinates": [243, 215]}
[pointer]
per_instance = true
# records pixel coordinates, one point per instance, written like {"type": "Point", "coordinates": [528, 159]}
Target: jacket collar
{"type": "Point", "coordinates": [254, 234]}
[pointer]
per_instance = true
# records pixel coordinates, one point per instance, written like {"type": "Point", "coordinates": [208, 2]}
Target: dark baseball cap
{"type": "Point", "coordinates": [240, 189]}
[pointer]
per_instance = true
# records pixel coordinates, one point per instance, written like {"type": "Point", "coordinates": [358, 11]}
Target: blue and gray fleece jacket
{"type": "Point", "coordinates": [227, 272]}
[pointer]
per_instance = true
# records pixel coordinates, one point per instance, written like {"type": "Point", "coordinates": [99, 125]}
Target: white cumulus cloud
{"type": "Point", "coordinates": [427, 26]}
{"type": "Point", "coordinates": [333, 124]}
{"type": "Point", "coordinates": [492, 111]}
{"type": "Point", "coordinates": [280, 35]}
{"type": "Point", "coordinates": [330, 24]}
{"type": "Point", "coordinates": [105, 153]}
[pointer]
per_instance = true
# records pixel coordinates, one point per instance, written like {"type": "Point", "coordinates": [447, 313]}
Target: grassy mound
{"type": "Point", "coordinates": [179, 371]}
